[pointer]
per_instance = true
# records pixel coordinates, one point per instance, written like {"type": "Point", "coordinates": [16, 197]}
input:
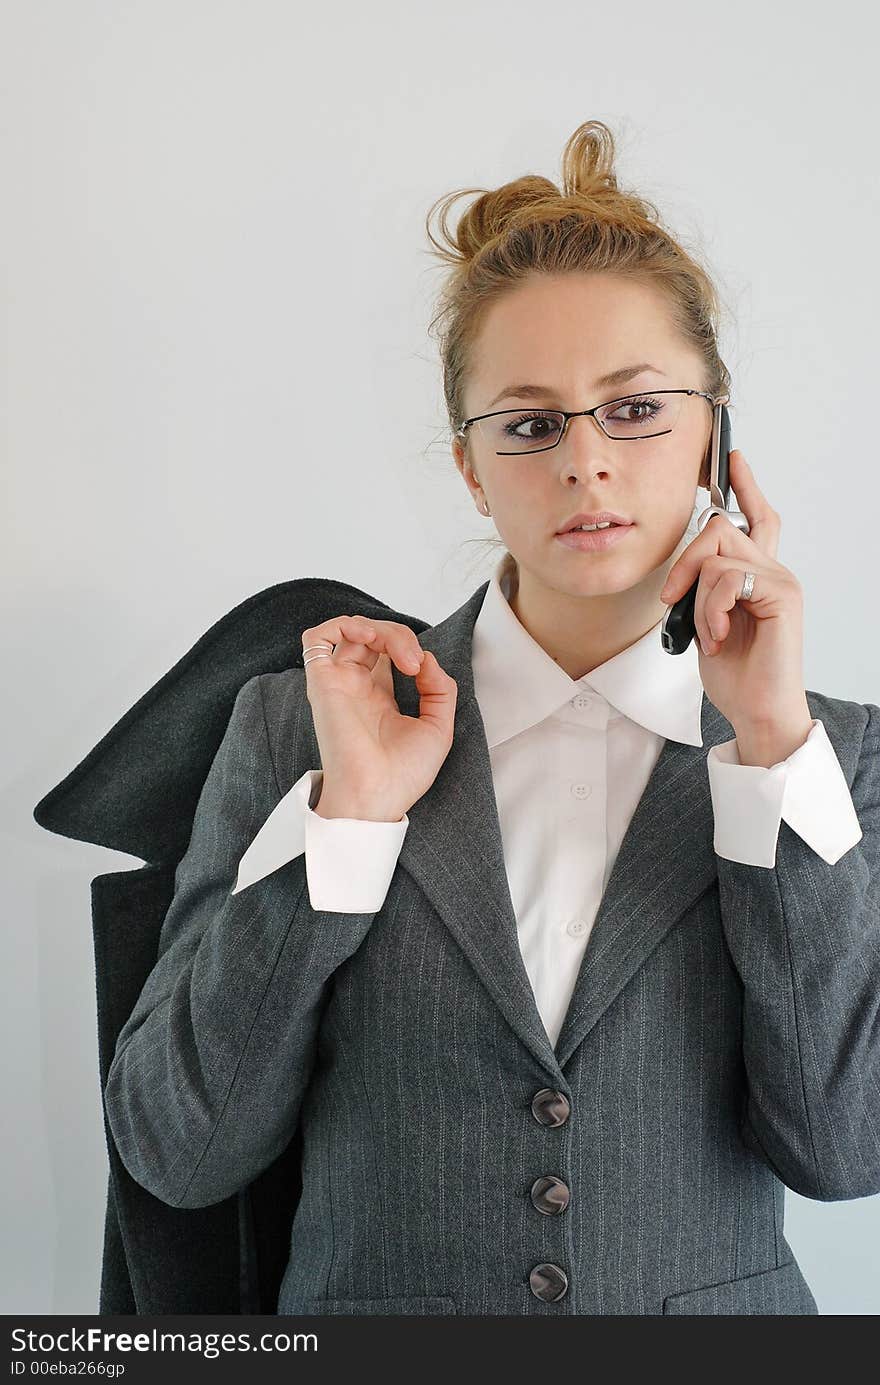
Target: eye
{"type": "Point", "coordinates": [635, 410]}
{"type": "Point", "coordinates": [547, 422]}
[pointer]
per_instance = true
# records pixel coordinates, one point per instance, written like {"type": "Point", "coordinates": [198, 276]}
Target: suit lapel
{"type": "Point", "coordinates": [454, 851]}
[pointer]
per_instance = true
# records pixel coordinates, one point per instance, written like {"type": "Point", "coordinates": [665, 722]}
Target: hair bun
{"type": "Point", "coordinates": [588, 187]}
{"type": "Point", "coordinates": [588, 161]}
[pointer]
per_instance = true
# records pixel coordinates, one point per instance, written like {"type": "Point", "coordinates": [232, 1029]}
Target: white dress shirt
{"type": "Point", "coordinates": [570, 760]}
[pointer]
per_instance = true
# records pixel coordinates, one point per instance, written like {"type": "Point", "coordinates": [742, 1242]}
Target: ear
{"type": "Point", "coordinates": [469, 476]}
{"type": "Point", "coordinates": [458, 453]}
{"type": "Point", "coordinates": [705, 465]}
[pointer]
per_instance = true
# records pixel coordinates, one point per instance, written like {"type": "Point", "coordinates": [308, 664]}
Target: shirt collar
{"type": "Point", "coordinates": [517, 684]}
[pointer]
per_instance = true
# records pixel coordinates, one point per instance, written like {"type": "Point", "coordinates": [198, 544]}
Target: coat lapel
{"type": "Point", "coordinates": [453, 849]}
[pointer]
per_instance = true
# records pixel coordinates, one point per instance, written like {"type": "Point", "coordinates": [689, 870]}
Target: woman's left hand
{"type": "Point", "coordinates": [751, 661]}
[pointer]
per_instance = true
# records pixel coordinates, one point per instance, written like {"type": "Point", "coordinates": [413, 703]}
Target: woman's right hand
{"type": "Point", "coordinates": [377, 762]}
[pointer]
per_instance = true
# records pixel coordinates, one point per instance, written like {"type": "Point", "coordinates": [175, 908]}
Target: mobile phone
{"type": "Point", "coordinates": [677, 629]}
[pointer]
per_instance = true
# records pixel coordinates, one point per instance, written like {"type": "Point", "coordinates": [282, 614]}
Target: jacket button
{"type": "Point", "coordinates": [550, 1195]}
{"type": "Point", "coordinates": [548, 1282]}
{"type": "Point", "coordinates": [550, 1107]}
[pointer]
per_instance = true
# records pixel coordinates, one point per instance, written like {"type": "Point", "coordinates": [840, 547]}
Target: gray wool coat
{"type": "Point", "coordinates": [721, 1042]}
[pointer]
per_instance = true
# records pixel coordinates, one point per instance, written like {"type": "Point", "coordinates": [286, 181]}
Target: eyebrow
{"type": "Point", "coordinates": [614, 377]}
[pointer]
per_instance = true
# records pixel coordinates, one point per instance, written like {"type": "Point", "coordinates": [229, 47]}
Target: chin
{"type": "Point", "coordinates": [594, 583]}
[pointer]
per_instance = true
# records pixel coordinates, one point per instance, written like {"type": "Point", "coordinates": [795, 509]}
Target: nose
{"type": "Point", "coordinates": [584, 443]}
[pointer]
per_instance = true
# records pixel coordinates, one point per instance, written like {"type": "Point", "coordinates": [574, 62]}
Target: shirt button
{"type": "Point", "coordinates": [577, 927]}
{"type": "Point", "coordinates": [580, 701]}
{"type": "Point", "coordinates": [581, 790]}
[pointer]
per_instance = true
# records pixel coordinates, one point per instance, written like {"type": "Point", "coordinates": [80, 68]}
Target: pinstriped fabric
{"type": "Point", "coordinates": [210, 1068]}
{"type": "Point", "coordinates": [443, 1208]}
{"type": "Point", "coordinates": [407, 1046]}
{"type": "Point", "coordinates": [814, 1077]}
{"type": "Point", "coordinates": [766, 1292]}
{"type": "Point", "coordinates": [662, 1101]}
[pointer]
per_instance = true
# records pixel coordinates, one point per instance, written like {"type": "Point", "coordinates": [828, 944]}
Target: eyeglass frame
{"type": "Point", "coordinates": [569, 414]}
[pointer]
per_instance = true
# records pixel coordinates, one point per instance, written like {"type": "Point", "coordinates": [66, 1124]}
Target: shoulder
{"type": "Point", "coordinates": [283, 694]}
{"type": "Point", "coordinates": [853, 728]}
{"type": "Point", "coordinates": [289, 726]}
{"type": "Point", "coordinates": [267, 705]}
{"type": "Point", "coordinates": [850, 718]}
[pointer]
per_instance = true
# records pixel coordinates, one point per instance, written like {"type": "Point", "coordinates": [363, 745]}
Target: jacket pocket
{"type": "Point", "coordinates": [782, 1291]}
{"type": "Point", "coordinates": [405, 1306]}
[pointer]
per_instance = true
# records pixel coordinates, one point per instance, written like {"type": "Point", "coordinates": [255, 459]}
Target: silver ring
{"type": "Point", "coordinates": [748, 587]}
{"type": "Point", "coordinates": [323, 655]}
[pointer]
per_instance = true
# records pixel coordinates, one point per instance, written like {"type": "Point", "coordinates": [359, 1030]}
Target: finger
{"type": "Point", "coordinates": [400, 644]}
{"type": "Point", "coordinates": [764, 522]}
{"type": "Point", "coordinates": [361, 641]}
{"type": "Point", "coordinates": [719, 598]}
{"type": "Point", "coordinates": [438, 693]}
{"type": "Point", "coordinates": [349, 635]}
{"type": "Point", "coordinates": [719, 537]}
{"type": "Point", "coordinates": [686, 569]}
{"type": "Point", "coordinates": [707, 583]}
{"type": "Point", "coordinates": [382, 675]}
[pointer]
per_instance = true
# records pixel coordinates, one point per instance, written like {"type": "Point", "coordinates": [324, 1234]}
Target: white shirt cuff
{"type": "Point", "coordinates": [808, 790]}
{"type": "Point", "coordinates": [349, 861]}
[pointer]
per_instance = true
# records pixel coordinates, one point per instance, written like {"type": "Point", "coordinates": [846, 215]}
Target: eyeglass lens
{"type": "Point", "coordinates": [531, 430]}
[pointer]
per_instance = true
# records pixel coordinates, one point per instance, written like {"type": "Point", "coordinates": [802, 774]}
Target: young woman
{"type": "Point", "coordinates": [566, 960]}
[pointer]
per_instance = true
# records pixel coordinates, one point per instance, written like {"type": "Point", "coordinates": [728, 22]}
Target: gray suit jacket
{"type": "Point", "coordinates": [721, 1042]}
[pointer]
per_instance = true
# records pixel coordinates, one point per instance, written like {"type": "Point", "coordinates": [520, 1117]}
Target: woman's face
{"type": "Point", "coordinates": [566, 333]}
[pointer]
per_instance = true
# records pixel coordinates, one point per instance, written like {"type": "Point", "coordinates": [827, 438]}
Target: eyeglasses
{"type": "Point", "coordinates": [633, 417]}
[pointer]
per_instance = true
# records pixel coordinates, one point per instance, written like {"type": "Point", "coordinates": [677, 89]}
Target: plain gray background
{"type": "Point", "coordinates": [216, 376]}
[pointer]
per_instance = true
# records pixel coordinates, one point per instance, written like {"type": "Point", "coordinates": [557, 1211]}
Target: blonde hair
{"type": "Point", "coordinates": [590, 225]}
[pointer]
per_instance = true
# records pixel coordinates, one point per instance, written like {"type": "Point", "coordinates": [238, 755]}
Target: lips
{"type": "Point", "coordinates": [594, 517]}
{"type": "Point", "coordinates": [610, 524]}
{"type": "Point", "coordinates": [594, 540]}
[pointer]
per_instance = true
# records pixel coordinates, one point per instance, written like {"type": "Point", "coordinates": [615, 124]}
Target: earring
{"type": "Point", "coordinates": [485, 508]}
